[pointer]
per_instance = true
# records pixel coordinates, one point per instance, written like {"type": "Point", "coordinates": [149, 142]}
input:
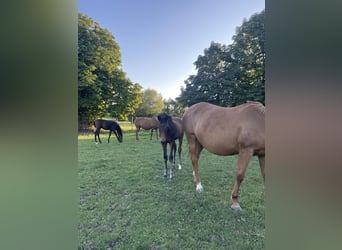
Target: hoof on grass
{"type": "Point", "coordinates": [236, 208]}
{"type": "Point", "coordinates": [199, 188]}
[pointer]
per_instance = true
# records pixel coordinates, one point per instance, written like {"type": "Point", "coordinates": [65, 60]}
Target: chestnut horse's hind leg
{"type": "Point", "coordinates": [244, 157]}
{"type": "Point", "coordinates": [262, 165]}
{"type": "Point", "coordinates": [156, 131]}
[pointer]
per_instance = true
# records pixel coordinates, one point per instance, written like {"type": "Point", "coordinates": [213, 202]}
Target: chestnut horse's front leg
{"type": "Point", "coordinates": [195, 149]}
{"type": "Point", "coordinates": [137, 133]}
{"type": "Point", "coordinates": [151, 134]}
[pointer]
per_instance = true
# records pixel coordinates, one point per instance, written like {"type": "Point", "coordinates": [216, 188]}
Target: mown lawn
{"type": "Point", "coordinates": [126, 203]}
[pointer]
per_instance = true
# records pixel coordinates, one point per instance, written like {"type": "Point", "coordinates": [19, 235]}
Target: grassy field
{"type": "Point", "coordinates": [126, 203]}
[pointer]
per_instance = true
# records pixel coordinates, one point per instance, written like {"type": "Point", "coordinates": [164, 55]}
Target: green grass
{"type": "Point", "coordinates": [126, 203]}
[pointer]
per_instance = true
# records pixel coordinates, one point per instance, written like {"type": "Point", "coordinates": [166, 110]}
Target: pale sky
{"type": "Point", "coordinates": [161, 39]}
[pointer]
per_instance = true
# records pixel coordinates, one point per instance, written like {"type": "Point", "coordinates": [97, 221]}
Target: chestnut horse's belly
{"type": "Point", "coordinates": [219, 143]}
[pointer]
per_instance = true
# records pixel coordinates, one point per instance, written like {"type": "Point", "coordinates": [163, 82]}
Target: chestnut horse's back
{"type": "Point", "coordinates": [224, 130]}
{"type": "Point", "coordinates": [146, 123]}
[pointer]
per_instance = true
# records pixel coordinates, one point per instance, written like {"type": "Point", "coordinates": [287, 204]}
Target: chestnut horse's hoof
{"type": "Point", "coordinates": [236, 208]}
{"type": "Point", "coordinates": [199, 188]}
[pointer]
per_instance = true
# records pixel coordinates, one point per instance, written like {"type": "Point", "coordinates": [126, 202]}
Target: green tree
{"type": "Point", "coordinates": [208, 84]}
{"type": "Point", "coordinates": [151, 105]}
{"type": "Point", "coordinates": [230, 75]}
{"type": "Point", "coordinates": [173, 108]}
{"type": "Point", "coordinates": [103, 88]}
{"type": "Point", "coordinates": [248, 49]}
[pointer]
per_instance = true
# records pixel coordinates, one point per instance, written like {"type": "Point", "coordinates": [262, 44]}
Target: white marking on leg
{"type": "Point", "coordinates": [236, 208]}
{"type": "Point", "coordinates": [199, 187]}
{"type": "Point", "coordinates": [179, 166]}
{"type": "Point", "coordinates": [171, 173]}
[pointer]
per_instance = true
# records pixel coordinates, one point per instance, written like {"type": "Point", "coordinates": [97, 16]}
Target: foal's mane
{"type": "Point", "coordinates": [171, 124]}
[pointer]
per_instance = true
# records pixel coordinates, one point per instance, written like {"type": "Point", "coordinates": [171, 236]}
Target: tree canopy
{"type": "Point", "coordinates": [229, 75]}
{"type": "Point", "coordinates": [103, 88]}
{"type": "Point", "coordinates": [173, 108]}
{"type": "Point", "coordinates": [151, 105]}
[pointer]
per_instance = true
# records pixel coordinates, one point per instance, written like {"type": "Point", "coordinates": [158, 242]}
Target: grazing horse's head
{"type": "Point", "coordinates": [167, 129]}
{"type": "Point", "coordinates": [118, 132]}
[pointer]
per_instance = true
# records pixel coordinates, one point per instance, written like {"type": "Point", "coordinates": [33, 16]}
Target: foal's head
{"type": "Point", "coordinates": [118, 132]}
{"type": "Point", "coordinates": [167, 129]}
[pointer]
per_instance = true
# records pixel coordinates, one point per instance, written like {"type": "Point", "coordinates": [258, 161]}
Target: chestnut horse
{"type": "Point", "coordinates": [226, 131]}
{"type": "Point", "coordinates": [171, 129]}
{"type": "Point", "coordinates": [112, 126]}
{"type": "Point", "coordinates": [147, 124]}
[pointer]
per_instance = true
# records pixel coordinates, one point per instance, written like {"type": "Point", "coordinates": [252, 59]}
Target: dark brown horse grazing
{"type": "Point", "coordinates": [147, 124]}
{"type": "Point", "coordinates": [112, 126]}
{"type": "Point", "coordinates": [171, 129]}
{"type": "Point", "coordinates": [226, 131]}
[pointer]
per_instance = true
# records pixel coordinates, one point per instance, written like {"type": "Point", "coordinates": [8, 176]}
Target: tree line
{"type": "Point", "coordinates": [227, 75]}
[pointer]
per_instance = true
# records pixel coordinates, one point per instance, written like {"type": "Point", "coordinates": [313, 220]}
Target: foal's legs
{"type": "Point", "coordinates": [195, 149]}
{"type": "Point", "coordinates": [110, 133]}
{"type": "Point", "coordinates": [164, 146]}
{"type": "Point", "coordinates": [180, 140]}
{"type": "Point", "coordinates": [243, 160]}
{"type": "Point", "coordinates": [97, 134]}
{"type": "Point", "coordinates": [172, 157]}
